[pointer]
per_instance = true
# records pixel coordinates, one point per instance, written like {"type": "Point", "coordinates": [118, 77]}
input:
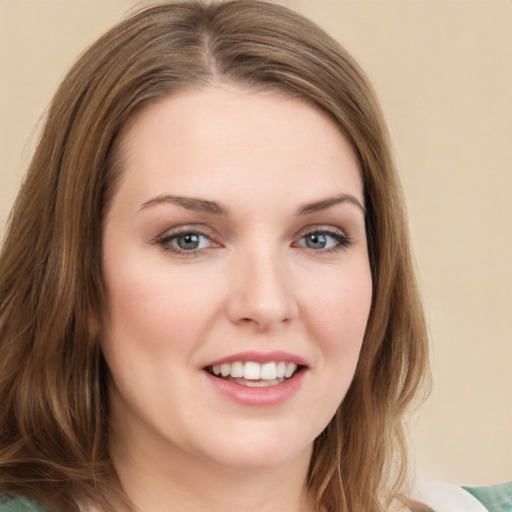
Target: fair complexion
{"type": "Point", "coordinates": [234, 250]}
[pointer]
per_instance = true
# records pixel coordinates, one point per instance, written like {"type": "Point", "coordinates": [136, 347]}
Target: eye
{"type": "Point", "coordinates": [324, 240]}
{"type": "Point", "coordinates": [319, 241]}
{"type": "Point", "coordinates": [189, 241]}
{"type": "Point", "coordinates": [186, 242]}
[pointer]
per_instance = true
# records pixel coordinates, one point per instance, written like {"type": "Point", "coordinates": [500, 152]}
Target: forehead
{"type": "Point", "coordinates": [196, 138]}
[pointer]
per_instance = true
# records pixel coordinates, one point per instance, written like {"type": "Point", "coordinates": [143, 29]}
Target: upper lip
{"type": "Point", "coordinates": [260, 357]}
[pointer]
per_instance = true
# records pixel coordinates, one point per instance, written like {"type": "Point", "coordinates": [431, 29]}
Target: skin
{"type": "Point", "coordinates": [268, 274]}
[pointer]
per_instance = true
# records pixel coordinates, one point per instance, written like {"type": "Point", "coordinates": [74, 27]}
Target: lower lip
{"type": "Point", "coordinates": [258, 397]}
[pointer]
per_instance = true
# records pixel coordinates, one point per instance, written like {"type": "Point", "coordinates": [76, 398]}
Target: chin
{"type": "Point", "coordinates": [262, 450]}
{"type": "Point", "coordinates": [254, 460]}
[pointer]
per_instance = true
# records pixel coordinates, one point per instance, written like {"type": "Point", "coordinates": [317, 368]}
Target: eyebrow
{"type": "Point", "coordinates": [213, 207]}
{"type": "Point", "coordinates": [190, 203]}
{"type": "Point", "coordinates": [324, 204]}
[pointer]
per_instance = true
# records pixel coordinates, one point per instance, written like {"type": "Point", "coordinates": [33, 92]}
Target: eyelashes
{"type": "Point", "coordinates": [186, 242]}
{"type": "Point", "coordinates": [193, 242]}
{"type": "Point", "coordinates": [324, 240]}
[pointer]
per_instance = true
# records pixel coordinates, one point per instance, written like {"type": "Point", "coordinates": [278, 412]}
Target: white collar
{"type": "Point", "coordinates": [445, 497]}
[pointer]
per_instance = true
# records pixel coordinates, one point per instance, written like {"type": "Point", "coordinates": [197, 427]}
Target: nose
{"type": "Point", "coordinates": [262, 292]}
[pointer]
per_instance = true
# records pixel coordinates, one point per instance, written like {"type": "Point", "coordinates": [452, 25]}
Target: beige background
{"type": "Point", "coordinates": [443, 70]}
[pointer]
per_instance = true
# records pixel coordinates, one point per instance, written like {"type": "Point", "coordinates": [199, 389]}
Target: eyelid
{"type": "Point", "coordinates": [321, 228]}
{"type": "Point", "coordinates": [342, 238]}
{"type": "Point", "coordinates": [163, 240]}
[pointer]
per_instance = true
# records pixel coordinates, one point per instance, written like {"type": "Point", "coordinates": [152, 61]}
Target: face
{"type": "Point", "coordinates": [237, 278]}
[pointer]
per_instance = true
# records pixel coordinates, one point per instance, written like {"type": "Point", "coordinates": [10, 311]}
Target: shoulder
{"type": "Point", "coordinates": [446, 497]}
{"type": "Point", "coordinates": [16, 504]}
{"type": "Point", "coordinates": [496, 498]}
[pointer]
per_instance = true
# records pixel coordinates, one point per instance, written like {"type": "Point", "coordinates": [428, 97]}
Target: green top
{"type": "Point", "coordinates": [12, 504]}
{"type": "Point", "coordinates": [495, 498]}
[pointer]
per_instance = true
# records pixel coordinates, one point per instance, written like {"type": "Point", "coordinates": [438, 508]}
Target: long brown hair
{"type": "Point", "coordinates": [54, 412]}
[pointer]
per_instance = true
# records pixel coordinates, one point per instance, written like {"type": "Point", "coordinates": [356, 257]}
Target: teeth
{"type": "Point", "coordinates": [268, 371]}
{"type": "Point", "coordinates": [290, 368]}
{"type": "Point", "coordinates": [261, 383]}
{"type": "Point", "coordinates": [237, 370]}
{"type": "Point", "coordinates": [225, 369]}
{"type": "Point", "coordinates": [252, 371]}
{"type": "Point", "coordinates": [281, 369]}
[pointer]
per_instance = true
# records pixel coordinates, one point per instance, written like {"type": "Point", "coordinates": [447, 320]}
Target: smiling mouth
{"type": "Point", "coordinates": [256, 375]}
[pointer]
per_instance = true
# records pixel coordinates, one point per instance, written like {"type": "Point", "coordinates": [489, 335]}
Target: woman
{"type": "Point", "coordinates": [207, 297]}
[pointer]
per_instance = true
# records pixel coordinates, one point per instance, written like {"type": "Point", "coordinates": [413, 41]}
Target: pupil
{"type": "Point", "coordinates": [189, 241]}
{"type": "Point", "coordinates": [316, 241]}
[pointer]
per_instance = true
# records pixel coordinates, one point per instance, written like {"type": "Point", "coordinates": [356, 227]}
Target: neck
{"type": "Point", "coordinates": [159, 476]}
{"type": "Point", "coordinates": [196, 486]}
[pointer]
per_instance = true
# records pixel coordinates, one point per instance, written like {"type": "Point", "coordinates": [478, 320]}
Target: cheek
{"type": "Point", "coordinates": [340, 309]}
{"type": "Point", "coordinates": [337, 318]}
{"type": "Point", "coordinates": [151, 331]}
{"type": "Point", "coordinates": [137, 308]}
{"type": "Point", "coordinates": [156, 313]}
